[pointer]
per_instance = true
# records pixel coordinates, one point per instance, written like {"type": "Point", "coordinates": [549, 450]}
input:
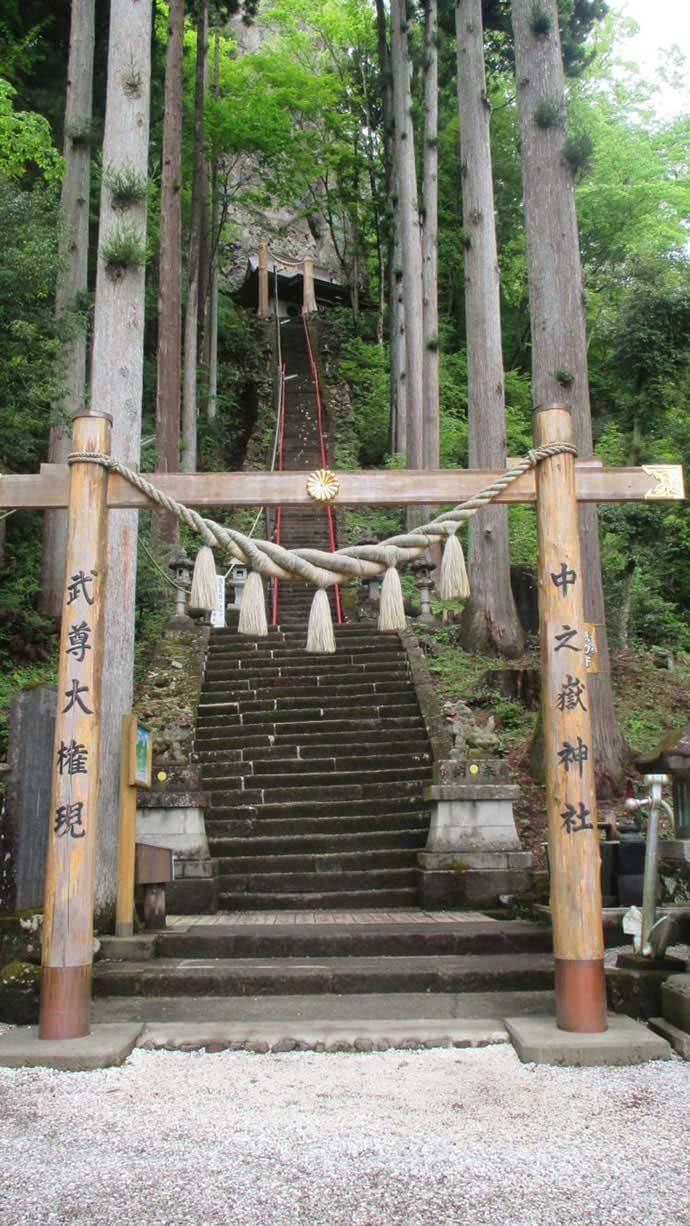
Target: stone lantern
{"type": "Point", "coordinates": [423, 570]}
{"type": "Point", "coordinates": [369, 589]}
{"type": "Point", "coordinates": [181, 566]}
{"type": "Point", "coordinates": [238, 578]}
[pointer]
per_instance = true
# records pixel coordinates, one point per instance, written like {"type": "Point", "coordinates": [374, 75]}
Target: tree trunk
{"type": "Point", "coordinates": [410, 234]}
{"type": "Point", "coordinates": [490, 620]}
{"type": "Point", "coordinates": [191, 323]}
{"type": "Point", "coordinates": [398, 344]}
{"type": "Point", "coordinates": [626, 605]}
{"type": "Point", "coordinates": [557, 312]}
{"type": "Point", "coordinates": [71, 280]}
{"type": "Point", "coordinates": [430, 237]}
{"type": "Point", "coordinates": [212, 402]}
{"type": "Point", "coordinates": [116, 387]}
{"type": "Point", "coordinates": [205, 242]}
{"type": "Point", "coordinates": [170, 274]}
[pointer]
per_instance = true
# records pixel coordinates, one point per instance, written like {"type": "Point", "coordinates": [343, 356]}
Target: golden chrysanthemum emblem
{"type": "Point", "coordinates": [323, 485]}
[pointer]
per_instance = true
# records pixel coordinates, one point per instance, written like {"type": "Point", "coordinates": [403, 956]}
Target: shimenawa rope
{"type": "Point", "coordinates": [323, 570]}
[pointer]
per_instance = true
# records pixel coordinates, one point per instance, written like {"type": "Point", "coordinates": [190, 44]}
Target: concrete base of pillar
{"type": "Point", "coordinates": [107, 1045]}
{"type": "Point", "coordinates": [537, 1040]}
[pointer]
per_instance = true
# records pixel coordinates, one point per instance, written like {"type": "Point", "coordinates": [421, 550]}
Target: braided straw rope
{"type": "Point", "coordinates": [315, 565]}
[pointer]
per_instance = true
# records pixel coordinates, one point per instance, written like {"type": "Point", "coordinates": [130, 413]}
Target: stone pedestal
{"type": "Point", "coordinates": [175, 819]}
{"type": "Point", "coordinates": [473, 854]}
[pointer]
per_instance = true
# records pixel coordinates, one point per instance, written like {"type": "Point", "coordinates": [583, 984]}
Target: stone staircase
{"type": "Point", "coordinates": [399, 966]}
{"type": "Point", "coordinates": [315, 768]}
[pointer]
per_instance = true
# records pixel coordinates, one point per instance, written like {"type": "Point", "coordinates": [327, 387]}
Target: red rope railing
{"type": "Point", "coordinates": [279, 512]}
{"type": "Point", "coordinates": [324, 460]}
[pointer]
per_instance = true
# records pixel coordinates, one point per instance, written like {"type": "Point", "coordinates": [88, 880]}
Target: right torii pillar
{"type": "Point", "coordinates": [569, 766]}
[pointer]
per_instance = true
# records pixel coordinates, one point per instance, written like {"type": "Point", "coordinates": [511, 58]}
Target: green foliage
{"type": "Point", "coordinates": [123, 248]}
{"type": "Point", "coordinates": [126, 186]}
{"type": "Point", "coordinates": [26, 143]}
{"type": "Point", "coordinates": [365, 367]}
{"type": "Point", "coordinates": [29, 341]}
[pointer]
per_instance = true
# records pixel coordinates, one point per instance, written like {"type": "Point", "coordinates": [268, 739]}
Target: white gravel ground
{"type": "Point", "coordinates": [469, 1138]}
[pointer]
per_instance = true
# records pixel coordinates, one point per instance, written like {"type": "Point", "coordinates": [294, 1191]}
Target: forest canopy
{"type": "Point", "coordinates": [295, 119]}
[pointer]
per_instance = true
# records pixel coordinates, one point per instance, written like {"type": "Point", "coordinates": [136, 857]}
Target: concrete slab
{"type": "Point", "coordinates": [106, 1046]}
{"type": "Point", "coordinates": [360, 1035]}
{"type": "Point", "coordinates": [537, 1040]}
{"type": "Point", "coordinates": [679, 1039]}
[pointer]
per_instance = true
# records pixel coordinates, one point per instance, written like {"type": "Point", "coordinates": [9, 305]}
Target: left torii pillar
{"type": "Point", "coordinates": [70, 870]}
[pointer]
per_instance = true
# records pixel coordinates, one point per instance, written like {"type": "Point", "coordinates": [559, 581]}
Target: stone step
{"type": "Point", "coordinates": [271, 882]}
{"type": "Point", "coordinates": [332, 793]}
{"type": "Point", "coordinates": [223, 831]}
{"type": "Point", "coordinates": [341, 976]}
{"type": "Point", "coordinates": [313, 769]}
{"type": "Point", "coordinates": [362, 797]}
{"type": "Point", "coordinates": [377, 939]}
{"type": "Point", "coordinates": [388, 1020]}
{"type": "Point", "coordinates": [293, 644]}
{"type": "Point", "coordinates": [348, 783]}
{"type": "Point", "coordinates": [320, 844]}
{"type": "Point", "coordinates": [323, 863]}
{"type": "Point", "coordinates": [237, 734]}
{"type": "Point", "coordinates": [279, 696]}
{"type": "Point", "coordinates": [311, 675]}
{"type": "Point", "coordinates": [233, 714]}
{"type": "Point", "coordinates": [367, 744]}
{"type": "Point", "coordinates": [259, 662]}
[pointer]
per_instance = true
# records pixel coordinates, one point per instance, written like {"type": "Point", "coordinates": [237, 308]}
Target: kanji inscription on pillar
{"type": "Point", "coordinates": [72, 765]}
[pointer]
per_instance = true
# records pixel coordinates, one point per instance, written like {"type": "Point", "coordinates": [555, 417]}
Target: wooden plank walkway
{"type": "Point", "coordinates": [238, 918]}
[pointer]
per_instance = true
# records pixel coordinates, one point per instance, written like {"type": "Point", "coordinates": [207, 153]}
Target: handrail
{"type": "Point", "coordinates": [324, 458]}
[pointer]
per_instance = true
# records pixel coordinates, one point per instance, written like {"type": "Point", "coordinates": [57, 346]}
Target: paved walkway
{"type": "Point", "coordinates": [405, 1138]}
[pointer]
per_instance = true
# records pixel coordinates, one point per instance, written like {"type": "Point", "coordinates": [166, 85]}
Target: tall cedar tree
{"type": "Point", "coordinates": [410, 233]}
{"type": "Point", "coordinates": [557, 312]}
{"type": "Point", "coordinates": [194, 306]}
{"type": "Point", "coordinates": [116, 382]}
{"type": "Point", "coordinates": [490, 620]}
{"type": "Point", "coordinates": [430, 236]}
{"type": "Point", "coordinates": [212, 331]}
{"type": "Point", "coordinates": [170, 268]}
{"type": "Point", "coordinates": [71, 280]}
{"type": "Point", "coordinates": [396, 317]}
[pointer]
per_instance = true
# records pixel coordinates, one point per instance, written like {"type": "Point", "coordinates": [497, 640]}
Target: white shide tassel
{"type": "Point", "coordinates": [453, 582]}
{"type": "Point", "coordinates": [204, 593]}
{"type": "Point", "coordinates": [252, 619]}
{"type": "Point", "coordinates": [320, 637]}
{"type": "Point", "coordinates": [391, 606]}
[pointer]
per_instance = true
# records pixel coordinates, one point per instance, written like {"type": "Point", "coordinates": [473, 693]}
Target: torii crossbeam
{"type": "Point", "coordinates": [89, 492]}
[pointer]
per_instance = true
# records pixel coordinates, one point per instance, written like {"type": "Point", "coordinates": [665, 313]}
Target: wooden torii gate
{"type": "Point", "coordinates": [89, 491]}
